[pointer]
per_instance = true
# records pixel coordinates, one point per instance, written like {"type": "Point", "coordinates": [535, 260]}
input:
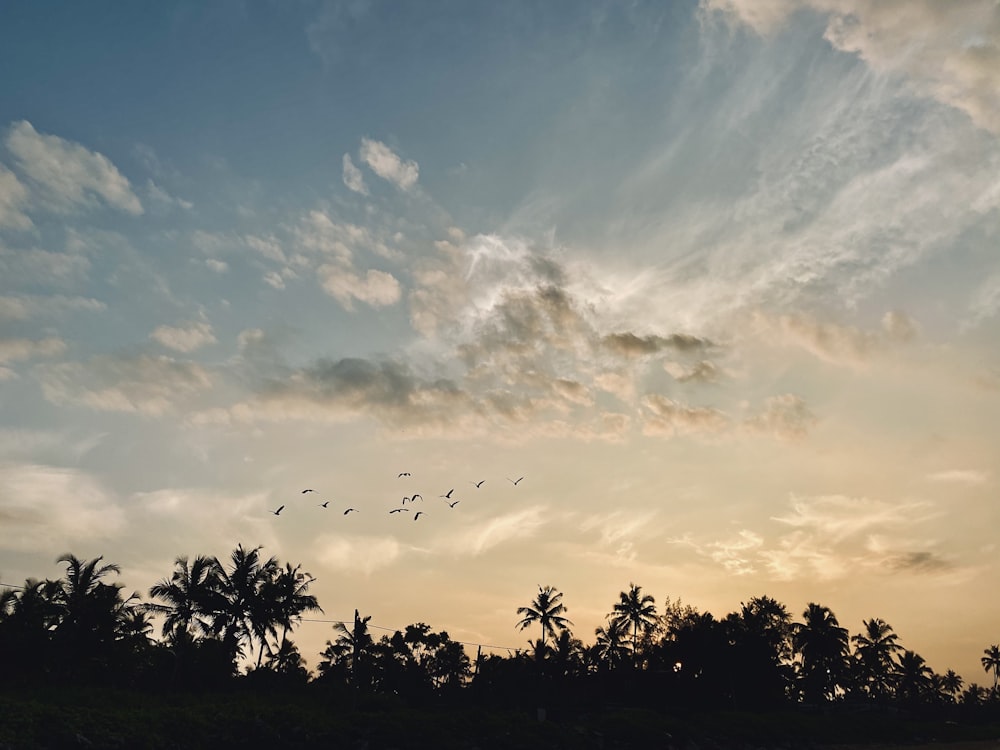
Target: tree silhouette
{"type": "Point", "coordinates": [547, 610]}
{"type": "Point", "coordinates": [637, 610]}
{"type": "Point", "coordinates": [914, 681]}
{"type": "Point", "coordinates": [611, 647]}
{"type": "Point", "coordinates": [991, 663]}
{"type": "Point", "coordinates": [191, 596]}
{"type": "Point", "coordinates": [822, 646]}
{"type": "Point", "coordinates": [874, 650]}
{"type": "Point", "coordinates": [247, 615]}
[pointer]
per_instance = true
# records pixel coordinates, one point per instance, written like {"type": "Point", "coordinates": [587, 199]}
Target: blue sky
{"type": "Point", "coordinates": [718, 278]}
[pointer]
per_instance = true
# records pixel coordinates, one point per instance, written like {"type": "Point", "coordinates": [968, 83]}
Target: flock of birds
{"type": "Point", "coordinates": [447, 497]}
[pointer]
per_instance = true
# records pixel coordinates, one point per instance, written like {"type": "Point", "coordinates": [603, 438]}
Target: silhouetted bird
{"type": "Point", "coordinates": [478, 484]}
{"type": "Point", "coordinates": [399, 510]}
{"type": "Point", "coordinates": [514, 481]}
{"type": "Point", "coordinates": [278, 511]}
{"type": "Point", "coordinates": [448, 493]}
{"type": "Point", "coordinates": [452, 505]}
{"type": "Point", "coordinates": [414, 498]}
{"type": "Point", "coordinates": [403, 474]}
{"type": "Point", "coordinates": [323, 505]}
{"type": "Point", "coordinates": [305, 491]}
{"type": "Point", "coordinates": [350, 510]}
{"type": "Point", "coordinates": [418, 514]}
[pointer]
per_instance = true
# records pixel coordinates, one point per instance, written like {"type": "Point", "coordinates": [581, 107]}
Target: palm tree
{"type": "Point", "coordinates": [610, 647]}
{"type": "Point", "coordinates": [546, 609]}
{"type": "Point", "coordinates": [822, 646]}
{"type": "Point", "coordinates": [89, 607]}
{"type": "Point", "coordinates": [914, 678]}
{"type": "Point", "coordinates": [951, 685]}
{"type": "Point", "coordinates": [638, 611]}
{"type": "Point", "coordinates": [874, 650]}
{"type": "Point", "coordinates": [991, 663]}
{"type": "Point", "coordinates": [191, 597]}
{"type": "Point", "coordinates": [247, 615]}
{"type": "Point", "coordinates": [353, 644]}
{"type": "Point", "coordinates": [286, 594]}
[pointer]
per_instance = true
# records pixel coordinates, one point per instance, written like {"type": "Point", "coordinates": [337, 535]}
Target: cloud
{"type": "Point", "coordinates": [13, 198]}
{"type": "Point", "coordinates": [837, 517]}
{"type": "Point", "coordinates": [985, 301]}
{"type": "Point", "coordinates": [630, 345]}
{"type": "Point", "coordinates": [836, 344]}
{"type": "Point", "coordinates": [702, 371]}
{"type": "Point", "coordinates": [30, 307]}
{"type": "Point", "coordinates": [36, 266]}
{"type": "Point", "coordinates": [159, 195]}
{"type": "Point", "coordinates": [216, 266]}
{"type": "Point", "coordinates": [361, 554]}
{"type": "Point", "coordinates": [184, 338]}
{"type": "Point", "coordinates": [665, 417]}
{"type": "Point", "coordinates": [42, 507]}
{"type": "Point", "coordinates": [146, 385]}
{"type": "Point", "coordinates": [384, 162]}
{"type": "Point", "coordinates": [947, 51]}
{"type": "Point", "coordinates": [69, 174]}
{"type": "Point", "coordinates": [785, 416]}
{"type": "Point", "coordinates": [203, 516]}
{"type": "Point", "coordinates": [16, 350]}
{"type": "Point", "coordinates": [960, 476]}
{"type": "Point", "coordinates": [375, 288]}
{"type": "Point", "coordinates": [353, 178]}
{"type": "Point", "coordinates": [514, 526]}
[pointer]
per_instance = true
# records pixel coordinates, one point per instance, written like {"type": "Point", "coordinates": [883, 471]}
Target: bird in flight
{"type": "Point", "coordinates": [399, 510]}
{"type": "Point", "coordinates": [324, 505]}
{"type": "Point", "coordinates": [403, 474]}
{"type": "Point", "coordinates": [414, 498]}
{"type": "Point", "coordinates": [452, 505]}
{"type": "Point", "coordinates": [350, 510]}
{"type": "Point", "coordinates": [479, 483]}
{"type": "Point", "coordinates": [278, 511]}
{"type": "Point", "coordinates": [448, 493]}
{"type": "Point", "coordinates": [305, 491]}
{"type": "Point", "coordinates": [514, 481]}
{"type": "Point", "coordinates": [419, 513]}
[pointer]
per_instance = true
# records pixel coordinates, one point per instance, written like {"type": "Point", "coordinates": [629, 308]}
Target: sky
{"type": "Point", "coordinates": [720, 280]}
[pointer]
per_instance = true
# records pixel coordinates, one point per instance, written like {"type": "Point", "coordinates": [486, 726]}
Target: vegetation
{"type": "Point", "coordinates": [81, 660]}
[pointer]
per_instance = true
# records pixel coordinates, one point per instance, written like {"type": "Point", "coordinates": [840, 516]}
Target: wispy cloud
{"type": "Point", "coordinates": [13, 200]}
{"type": "Point", "coordinates": [144, 384]}
{"type": "Point", "coordinates": [960, 476]}
{"type": "Point", "coordinates": [357, 553]}
{"type": "Point", "coordinates": [41, 506]}
{"type": "Point", "coordinates": [352, 176]}
{"type": "Point", "coordinates": [388, 165]}
{"type": "Point", "coordinates": [69, 175]}
{"type": "Point", "coordinates": [505, 528]}
{"type": "Point", "coordinates": [948, 51]}
{"type": "Point", "coordinates": [184, 338]}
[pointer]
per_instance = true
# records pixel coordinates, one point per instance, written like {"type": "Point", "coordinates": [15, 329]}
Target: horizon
{"type": "Point", "coordinates": [718, 279]}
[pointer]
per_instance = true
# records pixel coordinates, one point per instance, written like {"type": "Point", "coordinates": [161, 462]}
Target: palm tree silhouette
{"type": "Point", "coordinates": [247, 615]}
{"type": "Point", "coordinates": [546, 609]}
{"type": "Point", "coordinates": [874, 649]}
{"type": "Point", "coordinates": [286, 595]}
{"type": "Point", "coordinates": [991, 663]}
{"type": "Point", "coordinates": [822, 645]}
{"type": "Point", "coordinates": [191, 598]}
{"type": "Point", "coordinates": [914, 678]}
{"type": "Point", "coordinates": [951, 684]}
{"type": "Point", "coordinates": [610, 647]}
{"type": "Point", "coordinates": [638, 611]}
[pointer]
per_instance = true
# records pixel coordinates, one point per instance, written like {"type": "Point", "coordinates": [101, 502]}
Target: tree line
{"type": "Point", "coordinates": [228, 622]}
